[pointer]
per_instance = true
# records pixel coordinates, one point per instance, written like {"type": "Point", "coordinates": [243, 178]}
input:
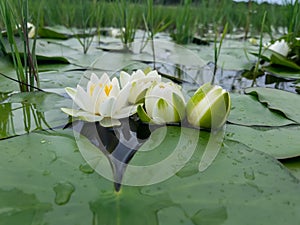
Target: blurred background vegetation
{"type": "Point", "coordinates": [200, 16]}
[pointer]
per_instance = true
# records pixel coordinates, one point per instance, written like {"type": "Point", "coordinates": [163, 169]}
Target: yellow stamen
{"type": "Point", "coordinates": [107, 89]}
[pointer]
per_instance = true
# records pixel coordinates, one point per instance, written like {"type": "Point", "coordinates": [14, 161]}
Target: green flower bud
{"type": "Point", "coordinates": [209, 107]}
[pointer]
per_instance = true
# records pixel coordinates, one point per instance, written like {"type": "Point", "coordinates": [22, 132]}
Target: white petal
{"type": "Point", "coordinates": [94, 79]}
{"type": "Point", "coordinates": [163, 112]}
{"type": "Point", "coordinates": [71, 92]}
{"type": "Point", "coordinates": [124, 78]}
{"type": "Point", "coordinates": [280, 47]}
{"type": "Point", "coordinates": [126, 112]}
{"type": "Point", "coordinates": [153, 75]}
{"type": "Point", "coordinates": [82, 99]}
{"type": "Point", "coordinates": [115, 87]}
{"type": "Point", "coordinates": [104, 79]}
{"type": "Point", "coordinates": [122, 98]}
{"type": "Point", "coordinates": [139, 74]}
{"type": "Point", "coordinates": [109, 122]}
{"type": "Point", "coordinates": [83, 115]}
{"type": "Point", "coordinates": [105, 108]}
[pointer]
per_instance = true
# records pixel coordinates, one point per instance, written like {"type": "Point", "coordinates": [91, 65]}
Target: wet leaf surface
{"type": "Point", "coordinates": [248, 111]}
{"type": "Point", "coordinates": [251, 184]}
{"type": "Point", "coordinates": [283, 101]}
{"type": "Point", "coordinates": [280, 142]}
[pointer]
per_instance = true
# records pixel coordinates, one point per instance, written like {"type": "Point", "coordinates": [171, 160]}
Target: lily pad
{"type": "Point", "coordinates": [44, 101]}
{"type": "Point", "coordinates": [286, 102]}
{"type": "Point", "coordinates": [58, 31]}
{"type": "Point", "coordinates": [283, 61]}
{"type": "Point", "coordinates": [28, 111]}
{"type": "Point", "coordinates": [240, 184]}
{"type": "Point", "coordinates": [233, 54]}
{"type": "Point", "coordinates": [247, 110]}
{"type": "Point", "coordinates": [7, 69]}
{"type": "Point", "coordinates": [17, 206]}
{"type": "Point", "coordinates": [243, 190]}
{"type": "Point", "coordinates": [293, 165]}
{"type": "Point", "coordinates": [283, 72]}
{"type": "Point", "coordinates": [60, 79]}
{"type": "Point", "coordinates": [280, 142]}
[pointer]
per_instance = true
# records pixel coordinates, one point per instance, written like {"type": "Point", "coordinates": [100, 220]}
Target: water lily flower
{"type": "Point", "coordinates": [209, 107]}
{"type": "Point", "coordinates": [103, 101]}
{"type": "Point", "coordinates": [280, 47]}
{"type": "Point", "coordinates": [164, 103]}
{"type": "Point", "coordinates": [253, 41]}
{"type": "Point", "coordinates": [140, 82]}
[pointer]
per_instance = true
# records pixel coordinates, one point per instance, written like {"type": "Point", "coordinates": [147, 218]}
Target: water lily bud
{"type": "Point", "coordinates": [209, 107]}
{"type": "Point", "coordinates": [280, 47]}
{"type": "Point", "coordinates": [164, 103]}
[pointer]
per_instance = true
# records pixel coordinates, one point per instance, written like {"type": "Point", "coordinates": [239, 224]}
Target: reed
{"type": "Point", "coordinates": [22, 50]}
{"type": "Point", "coordinates": [182, 19]}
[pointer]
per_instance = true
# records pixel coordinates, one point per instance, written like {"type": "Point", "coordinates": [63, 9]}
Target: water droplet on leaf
{"type": "Point", "coordinates": [63, 192]}
{"type": "Point", "coordinates": [86, 168]}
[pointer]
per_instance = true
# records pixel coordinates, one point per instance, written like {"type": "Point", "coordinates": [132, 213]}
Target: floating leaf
{"type": "Point", "coordinates": [247, 110]}
{"type": "Point", "coordinates": [282, 72]}
{"type": "Point", "coordinates": [283, 101]}
{"type": "Point", "coordinates": [241, 183]}
{"type": "Point", "coordinates": [27, 111]}
{"type": "Point", "coordinates": [293, 165]}
{"type": "Point", "coordinates": [283, 61]}
{"type": "Point", "coordinates": [281, 142]}
{"type": "Point", "coordinates": [59, 31]}
{"type": "Point", "coordinates": [19, 207]}
{"type": "Point", "coordinates": [7, 85]}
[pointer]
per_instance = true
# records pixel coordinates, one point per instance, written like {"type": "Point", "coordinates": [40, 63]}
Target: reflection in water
{"type": "Point", "coordinates": [6, 121]}
{"type": "Point", "coordinates": [119, 144]}
{"type": "Point", "coordinates": [19, 118]}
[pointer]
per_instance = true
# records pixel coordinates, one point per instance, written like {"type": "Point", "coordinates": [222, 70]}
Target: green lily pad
{"type": "Point", "coordinates": [233, 54]}
{"type": "Point", "coordinates": [60, 79]}
{"type": "Point", "coordinates": [282, 72]}
{"type": "Point", "coordinates": [283, 101]}
{"type": "Point", "coordinates": [17, 206]}
{"type": "Point", "coordinates": [44, 101]}
{"type": "Point", "coordinates": [234, 189]}
{"type": "Point", "coordinates": [283, 61]}
{"type": "Point", "coordinates": [28, 111]}
{"type": "Point", "coordinates": [62, 32]}
{"type": "Point", "coordinates": [7, 68]}
{"type": "Point", "coordinates": [293, 165]}
{"type": "Point", "coordinates": [280, 142]}
{"type": "Point", "coordinates": [247, 110]}
{"type": "Point", "coordinates": [59, 31]}
{"type": "Point", "coordinates": [240, 184]}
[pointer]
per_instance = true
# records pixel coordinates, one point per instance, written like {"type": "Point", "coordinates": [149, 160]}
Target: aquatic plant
{"type": "Point", "coordinates": [15, 18]}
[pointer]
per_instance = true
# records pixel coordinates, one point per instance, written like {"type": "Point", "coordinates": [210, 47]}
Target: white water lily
{"type": "Point", "coordinates": [209, 107]}
{"type": "Point", "coordinates": [140, 82]}
{"type": "Point", "coordinates": [280, 47]}
{"type": "Point", "coordinates": [103, 101]}
{"type": "Point", "coordinates": [164, 103]}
